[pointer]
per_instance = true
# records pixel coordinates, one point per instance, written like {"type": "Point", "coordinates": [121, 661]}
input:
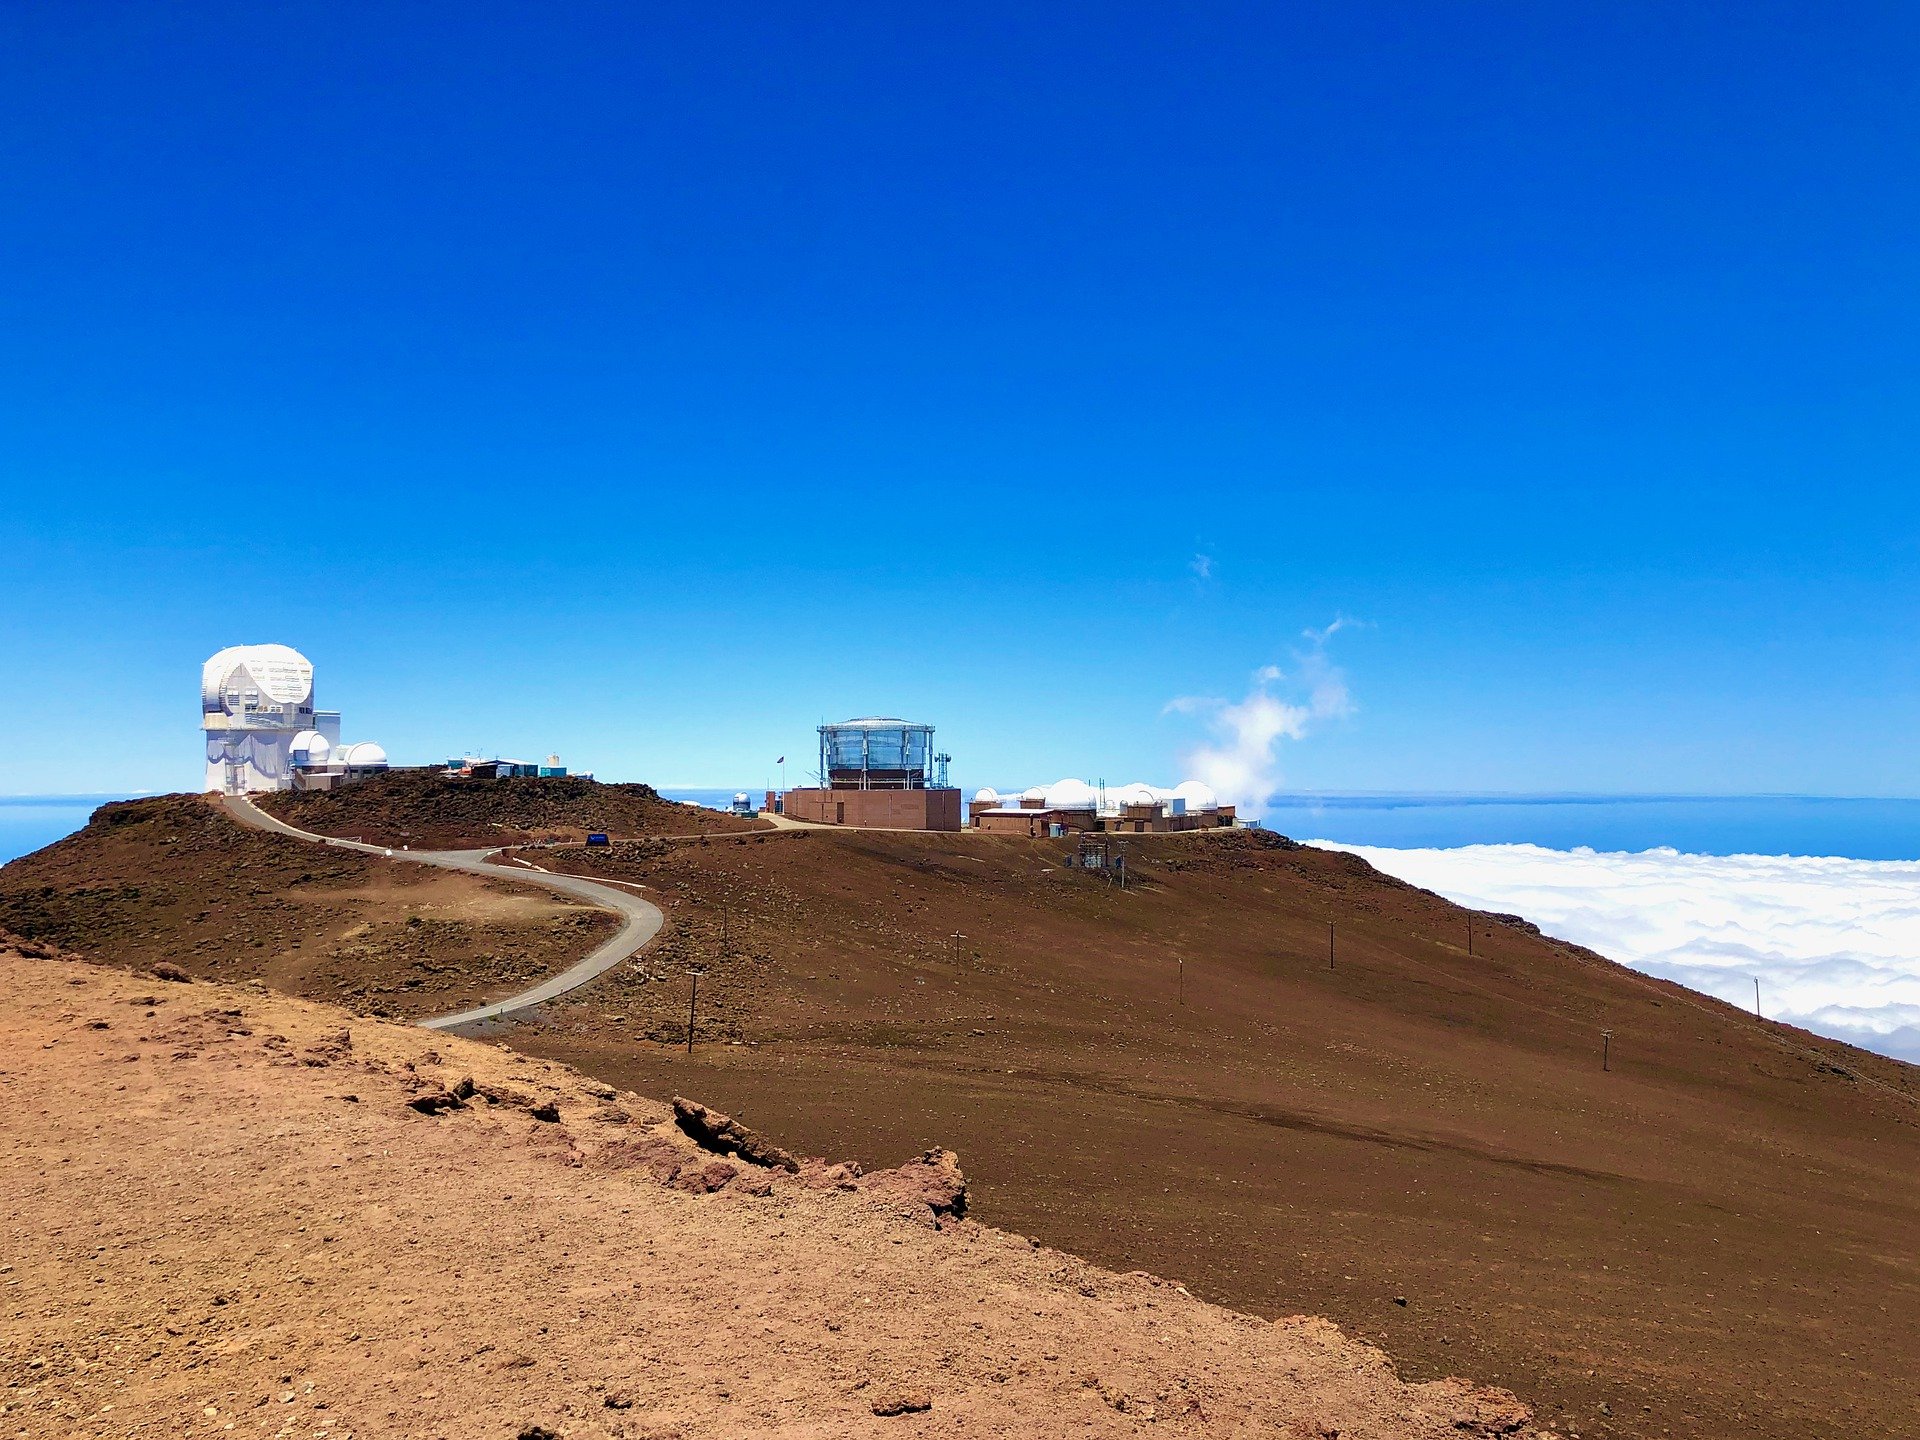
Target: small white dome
{"type": "Point", "coordinates": [310, 747]}
{"type": "Point", "coordinates": [986, 795]}
{"type": "Point", "coordinates": [362, 754]}
{"type": "Point", "coordinates": [1197, 796]}
{"type": "Point", "coordinates": [1071, 795]}
{"type": "Point", "coordinates": [1037, 792]}
{"type": "Point", "coordinates": [739, 797]}
{"type": "Point", "coordinates": [1134, 794]}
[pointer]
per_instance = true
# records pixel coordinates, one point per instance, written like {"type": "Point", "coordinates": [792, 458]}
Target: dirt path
{"type": "Point", "coordinates": [640, 919]}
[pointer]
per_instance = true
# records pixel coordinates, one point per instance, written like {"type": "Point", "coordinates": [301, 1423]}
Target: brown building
{"type": "Point", "coordinates": [881, 774]}
{"type": "Point", "coordinates": [877, 809]}
{"type": "Point", "coordinates": [1077, 811]}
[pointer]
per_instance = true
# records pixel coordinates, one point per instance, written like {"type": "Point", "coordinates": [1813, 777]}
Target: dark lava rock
{"type": "Point", "coordinates": [712, 1130]}
{"type": "Point", "coordinates": [902, 1402]}
{"type": "Point", "coordinates": [167, 970]}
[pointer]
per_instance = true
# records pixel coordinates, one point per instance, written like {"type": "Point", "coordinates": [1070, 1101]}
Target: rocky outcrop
{"type": "Point", "coordinates": [934, 1181]}
{"type": "Point", "coordinates": [722, 1134]}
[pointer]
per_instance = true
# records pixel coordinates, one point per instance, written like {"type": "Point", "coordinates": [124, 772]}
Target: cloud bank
{"type": "Point", "coordinates": [1241, 762]}
{"type": "Point", "coordinates": [1835, 943]}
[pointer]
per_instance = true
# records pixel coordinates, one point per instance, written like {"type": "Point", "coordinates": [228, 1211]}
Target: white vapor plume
{"type": "Point", "coordinates": [1241, 763]}
{"type": "Point", "coordinates": [1835, 943]}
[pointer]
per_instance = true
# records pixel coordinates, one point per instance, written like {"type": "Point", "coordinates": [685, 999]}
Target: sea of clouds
{"type": "Point", "coordinates": [1835, 943]}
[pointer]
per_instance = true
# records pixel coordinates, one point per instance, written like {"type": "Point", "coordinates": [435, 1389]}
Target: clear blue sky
{"type": "Point", "coordinates": [648, 384]}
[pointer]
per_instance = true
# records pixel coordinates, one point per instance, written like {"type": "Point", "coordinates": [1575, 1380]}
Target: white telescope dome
{"type": "Point", "coordinates": [1036, 792]}
{"type": "Point", "coordinates": [1197, 796]}
{"type": "Point", "coordinates": [362, 753]}
{"type": "Point", "coordinates": [986, 795]}
{"type": "Point", "coordinates": [310, 747]}
{"type": "Point", "coordinates": [1134, 794]}
{"type": "Point", "coordinates": [278, 674]}
{"type": "Point", "coordinates": [1071, 795]}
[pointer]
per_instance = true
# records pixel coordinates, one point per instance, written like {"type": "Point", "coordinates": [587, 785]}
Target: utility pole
{"type": "Point", "coordinates": [1606, 1050]}
{"type": "Point", "coordinates": [1329, 944]}
{"type": "Point", "coordinates": [1183, 979]}
{"type": "Point", "coordinates": [1756, 996]}
{"type": "Point", "coordinates": [1469, 932]}
{"type": "Point", "coordinates": [692, 1000]}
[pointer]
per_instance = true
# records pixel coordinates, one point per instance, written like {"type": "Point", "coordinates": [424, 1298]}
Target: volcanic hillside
{"type": "Point", "coordinates": [1718, 1236]}
{"type": "Point", "coordinates": [174, 880]}
{"type": "Point", "coordinates": [232, 1213]}
{"type": "Point", "coordinates": [427, 809]}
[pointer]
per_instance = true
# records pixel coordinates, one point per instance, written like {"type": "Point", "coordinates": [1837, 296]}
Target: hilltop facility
{"type": "Point", "coordinates": [1074, 805]}
{"type": "Point", "coordinates": [262, 732]}
{"type": "Point", "coordinates": [880, 773]}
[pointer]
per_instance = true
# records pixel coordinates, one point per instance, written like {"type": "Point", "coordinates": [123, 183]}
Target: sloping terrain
{"type": "Point", "coordinates": [1715, 1237]}
{"type": "Point", "coordinates": [174, 880]}
{"type": "Point", "coordinates": [232, 1213]}
{"type": "Point", "coordinates": [431, 810]}
{"type": "Point", "coordinates": [1719, 1236]}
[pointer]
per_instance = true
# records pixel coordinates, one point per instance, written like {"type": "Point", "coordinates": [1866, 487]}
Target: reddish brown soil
{"type": "Point", "coordinates": [430, 810]}
{"type": "Point", "coordinates": [174, 879]}
{"type": "Point", "coordinates": [1718, 1238]}
{"type": "Point", "coordinates": [224, 1215]}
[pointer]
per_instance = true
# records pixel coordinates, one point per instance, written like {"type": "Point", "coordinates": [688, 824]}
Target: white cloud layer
{"type": "Point", "coordinates": [1835, 943]}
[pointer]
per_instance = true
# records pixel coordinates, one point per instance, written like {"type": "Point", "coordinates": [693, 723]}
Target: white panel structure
{"type": "Point", "coordinates": [254, 700]}
{"type": "Point", "coordinates": [262, 732]}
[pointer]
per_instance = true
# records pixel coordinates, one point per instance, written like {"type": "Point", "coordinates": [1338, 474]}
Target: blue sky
{"type": "Point", "coordinates": [649, 385]}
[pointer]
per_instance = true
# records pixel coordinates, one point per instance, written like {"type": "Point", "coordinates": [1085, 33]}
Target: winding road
{"type": "Point", "coordinates": [640, 920]}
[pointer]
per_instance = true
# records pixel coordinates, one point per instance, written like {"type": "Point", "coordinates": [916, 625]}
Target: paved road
{"type": "Point", "coordinates": [640, 921]}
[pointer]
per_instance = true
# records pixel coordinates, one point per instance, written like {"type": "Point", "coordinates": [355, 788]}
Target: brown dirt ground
{"type": "Point", "coordinates": [430, 810]}
{"type": "Point", "coordinates": [221, 1216]}
{"type": "Point", "coordinates": [175, 879]}
{"type": "Point", "coordinates": [1719, 1238]}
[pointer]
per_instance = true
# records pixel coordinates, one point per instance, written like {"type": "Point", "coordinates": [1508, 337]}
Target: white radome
{"type": "Point", "coordinates": [986, 795]}
{"type": "Point", "coordinates": [1197, 795]}
{"type": "Point", "coordinates": [1071, 795]}
{"type": "Point", "coordinates": [310, 747]}
{"type": "Point", "coordinates": [362, 753]}
{"type": "Point", "coordinates": [280, 673]}
{"type": "Point", "coordinates": [1035, 792]}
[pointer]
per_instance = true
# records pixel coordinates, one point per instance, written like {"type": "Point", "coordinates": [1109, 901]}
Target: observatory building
{"type": "Point", "coordinates": [880, 773]}
{"type": "Point", "coordinates": [1074, 805]}
{"type": "Point", "coordinates": [262, 732]}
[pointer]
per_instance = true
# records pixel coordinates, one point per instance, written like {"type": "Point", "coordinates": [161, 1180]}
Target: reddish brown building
{"type": "Point", "coordinates": [877, 809]}
{"type": "Point", "coordinates": [881, 774]}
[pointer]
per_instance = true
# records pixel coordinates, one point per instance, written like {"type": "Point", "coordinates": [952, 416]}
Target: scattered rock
{"type": "Point", "coordinates": [504, 1095]}
{"type": "Point", "coordinates": [547, 1111]}
{"type": "Point", "coordinates": [611, 1115]}
{"type": "Point", "coordinates": [902, 1402]}
{"type": "Point", "coordinates": [935, 1180]}
{"type": "Point", "coordinates": [463, 1088]}
{"type": "Point", "coordinates": [817, 1174]}
{"type": "Point", "coordinates": [167, 970]}
{"type": "Point", "coordinates": [753, 1182]}
{"type": "Point", "coordinates": [712, 1130]}
{"type": "Point", "coordinates": [705, 1179]}
{"type": "Point", "coordinates": [1474, 1409]}
{"type": "Point", "coordinates": [432, 1102]}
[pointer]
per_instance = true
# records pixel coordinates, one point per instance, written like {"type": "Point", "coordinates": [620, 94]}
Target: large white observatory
{"type": "Point", "coordinates": [256, 707]}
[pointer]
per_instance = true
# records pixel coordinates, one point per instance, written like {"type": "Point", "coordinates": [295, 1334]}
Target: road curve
{"type": "Point", "coordinates": [640, 920]}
